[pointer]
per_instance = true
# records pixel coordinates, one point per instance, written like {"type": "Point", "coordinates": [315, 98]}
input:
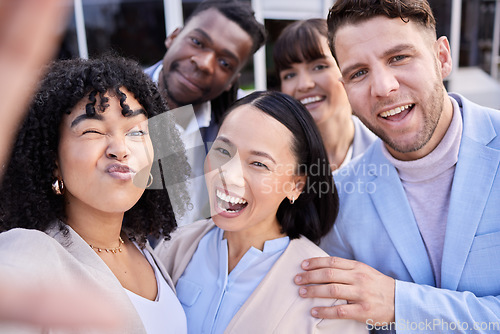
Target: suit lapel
{"type": "Point", "coordinates": [99, 274]}
{"type": "Point", "coordinates": [395, 212]}
{"type": "Point", "coordinates": [474, 174]}
{"type": "Point", "coordinates": [265, 294]}
{"type": "Point", "coordinates": [75, 245]}
{"type": "Point", "coordinates": [276, 292]}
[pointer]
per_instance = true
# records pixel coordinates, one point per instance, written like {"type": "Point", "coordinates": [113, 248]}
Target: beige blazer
{"type": "Point", "coordinates": [275, 306]}
{"type": "Point", "coordinates": [53, 257]}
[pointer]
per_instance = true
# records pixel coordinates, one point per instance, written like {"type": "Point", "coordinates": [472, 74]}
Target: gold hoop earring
{"type": "Point", "coordinates": [150, 180]}
{"type": "Point", "coordinates": [292, 200]}
{"type": "Point", "coordinates": [58, 187]}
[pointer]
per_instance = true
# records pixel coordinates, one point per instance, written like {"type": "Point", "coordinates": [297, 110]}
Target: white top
{"type": "Point", "coordinates": [163, 315]}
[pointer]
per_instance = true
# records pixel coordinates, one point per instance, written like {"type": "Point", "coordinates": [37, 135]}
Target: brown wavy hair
{"type": "Point", "coordinates": [355, 11]}
{"type": "Point", "coordinates": [299, 43]}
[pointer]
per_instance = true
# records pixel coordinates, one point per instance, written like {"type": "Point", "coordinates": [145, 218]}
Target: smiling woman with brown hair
{"type": "Point", "coordinates": [309, 73]}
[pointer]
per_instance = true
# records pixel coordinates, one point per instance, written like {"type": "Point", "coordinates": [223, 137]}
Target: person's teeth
{"type": "Point", "coordinates": [395, 111]}
{"type": "Point", "coordinates": [311, 99]}
{"type": "Point", "coordinates": [230, 199]}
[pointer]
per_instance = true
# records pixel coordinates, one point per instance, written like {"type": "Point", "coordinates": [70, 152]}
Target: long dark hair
{"type": "Point", "coordinates": [26, 197]}
{"type": "Point", "coordinates": [314, 212]}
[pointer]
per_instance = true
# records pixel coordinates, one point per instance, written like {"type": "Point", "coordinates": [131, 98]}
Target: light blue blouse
{"type": "Point", "coordinates": [210, 297]}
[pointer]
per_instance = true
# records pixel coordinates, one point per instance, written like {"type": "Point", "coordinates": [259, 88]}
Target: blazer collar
{"type": "Point", "coordinates": [478, 126]}
{"type": "Point", "coordinates": [75, 245]}
{"type": "Point", "coordinates": [79, 248]}
{"type": "Point", "coordinates": [99, 273]}
{"type": "Point", "coordinates": [277, 283]}
{"type": "Point", "coordinates": [474, 174]}
{"type": "Point", "coordinates": [393, 208]}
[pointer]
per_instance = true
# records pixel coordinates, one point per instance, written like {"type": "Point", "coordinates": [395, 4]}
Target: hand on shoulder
{"type": "Point", "coordinates": [369, 293]}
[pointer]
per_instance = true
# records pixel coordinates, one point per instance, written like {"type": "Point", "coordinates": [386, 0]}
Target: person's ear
{"type": "Point", "coordinates": [443, 54]}
{"type": "Point", "coordinates": [172, 36]}
{"type": "Point", "coordinates": [300, 182]}
{"type": "Point", "coordinates": [56, 172]}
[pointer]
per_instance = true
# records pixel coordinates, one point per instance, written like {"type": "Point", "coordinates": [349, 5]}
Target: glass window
{"type": "Point", "coordinates": [132, 28]}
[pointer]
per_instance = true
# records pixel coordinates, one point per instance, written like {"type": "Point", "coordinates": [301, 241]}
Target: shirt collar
{"type": "Point", "coordinates": [156, 74]}
{"type": "Point", "coordinates": [203, 113]}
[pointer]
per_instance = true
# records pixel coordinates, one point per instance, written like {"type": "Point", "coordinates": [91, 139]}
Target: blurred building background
{"type": "Point", "coordinates": [138, 28]}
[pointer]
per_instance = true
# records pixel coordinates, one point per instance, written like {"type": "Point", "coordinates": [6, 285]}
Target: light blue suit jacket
{"type": "Point", "coordinates": [376, 226]}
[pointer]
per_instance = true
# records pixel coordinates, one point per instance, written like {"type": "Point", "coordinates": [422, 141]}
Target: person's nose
{"type": "Point", "coordinates": [383, 82]}
{"type": "Point", "coordinates": [117, 148]}
{"type": "Point", "coordinates": [305, 81]}
{"type": "Point", "coordinates": [232, 172]}
{"type": "Point", "coordinates": [204, 61]}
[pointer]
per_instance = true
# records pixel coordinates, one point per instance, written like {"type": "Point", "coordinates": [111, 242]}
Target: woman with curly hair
{"type": "Point", "coordinates": [73, 204]}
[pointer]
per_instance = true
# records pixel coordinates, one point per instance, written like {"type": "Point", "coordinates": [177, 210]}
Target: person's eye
{"type": "Point", "coordinates": [196, 41]}
{"type": "Point", "coordinates": [320, 67]}
{"type": "Point", "coordinates": [358, 74]}
{"type": "Point", "coordinates": [260, 164]}
{"type": "Point", "coordinates": [288, 76]}
{"type": "Point", "coordinates": [223, 151]}
{"type": "Point", "coordinates": [92, 131]}
{"type": "Point", "coordinates": [398, 58]}
{"type": "Point", "coordinates": [137, 133]}
{"type": "Point", "coordinates": [224, 63]}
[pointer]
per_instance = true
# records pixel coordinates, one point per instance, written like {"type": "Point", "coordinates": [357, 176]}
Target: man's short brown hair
{"type": "Point", "coordinates": [355, 11]}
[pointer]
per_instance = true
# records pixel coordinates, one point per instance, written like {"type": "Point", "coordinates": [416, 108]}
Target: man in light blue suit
{"type": "Point", "coordinates": [417, 241]}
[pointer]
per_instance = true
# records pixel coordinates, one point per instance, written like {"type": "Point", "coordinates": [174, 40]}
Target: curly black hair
{"type": "Point", "coordinates": [240, 13]}
{"type": "Point", "coordinates": [26, 196]}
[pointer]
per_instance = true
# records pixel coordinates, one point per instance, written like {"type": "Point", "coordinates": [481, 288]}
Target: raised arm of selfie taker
{"type": "Point", "coordinates": [52, 305]}
{"type": "Point", "coordinates": [30, 32]}
{"type": "Point", "coordinates": [369, 293]}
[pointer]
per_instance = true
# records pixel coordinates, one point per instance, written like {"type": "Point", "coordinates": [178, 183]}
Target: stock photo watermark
{"type": "Point", "coordinates": [434, 325]}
